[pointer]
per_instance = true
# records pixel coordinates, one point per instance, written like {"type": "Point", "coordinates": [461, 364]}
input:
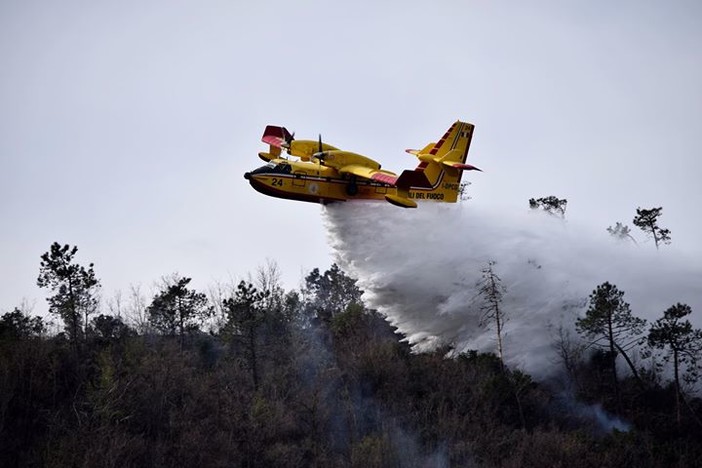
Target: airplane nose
{"type": "Point", "coordinates": [247, 175]}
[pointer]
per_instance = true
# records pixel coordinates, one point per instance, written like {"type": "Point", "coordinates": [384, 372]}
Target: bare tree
{"type": "Point", "coordinates": [268, 281]}
{"type": "Point", "coordinates": [463, 191]}
{"type": "Point", "coordinates": [135, 310]}
{"type": "Point", "coordinates": [114, 304]}
{"type": "Point", "coordinates": [569, 351]}
{"type": "Point", "coordinates": [217, 293]}
{"type": "Point", "coordinates": [491, 290]}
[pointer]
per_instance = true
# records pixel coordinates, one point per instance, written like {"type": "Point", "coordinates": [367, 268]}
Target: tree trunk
{"type": "Point", "coordinates": [74, 314]}
{"type": "Point", "coordinates": [613, 357]}
{"type": "Point", "coordinates": [499, 336]}
{"type": "Point", "coordinates": [631, 364]}
{"type": "Point", "coordinates": [677, 385]}
{"type": "Point", "coordinates": [252, 351]}
{"type": "Point", "coordinates": [180, 321]}
{"type": "Point", "coordinates": [498, 317]}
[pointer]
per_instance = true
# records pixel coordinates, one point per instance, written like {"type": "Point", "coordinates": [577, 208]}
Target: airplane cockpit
{"type": "Point", "coordinates": [272, 167]}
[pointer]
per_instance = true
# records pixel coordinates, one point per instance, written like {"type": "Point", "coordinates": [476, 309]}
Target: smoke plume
{"type": "Point", "coordinates": [420, 268]}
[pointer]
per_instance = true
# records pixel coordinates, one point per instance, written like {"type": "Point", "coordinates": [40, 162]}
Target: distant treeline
{"type": "Point", "coordinates": [252, 375]}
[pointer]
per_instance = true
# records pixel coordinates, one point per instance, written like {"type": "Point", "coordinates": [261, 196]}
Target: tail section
{"type": "Point", "coordinates": [441, 166]}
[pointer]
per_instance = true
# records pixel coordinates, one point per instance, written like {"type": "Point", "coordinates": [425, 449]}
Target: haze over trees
{"type": "Point", "coordinates": [259, 376]}
{"type": "Point", "coordinates": [621, 232]}
{"type": "Point", "coordinates": [551, 205]}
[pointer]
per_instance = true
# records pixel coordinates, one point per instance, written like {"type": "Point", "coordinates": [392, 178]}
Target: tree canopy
{"type": "Point", "coordinates": [18, 325]}
{"type": "Point", "coordinates": [332, 292]}
{"type": "Point", "coordinates": [550, 204]}
{"type": "Point", "coordinates": [176, 309]}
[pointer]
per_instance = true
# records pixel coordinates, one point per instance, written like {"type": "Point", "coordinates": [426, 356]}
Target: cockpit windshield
{"type": "Point", "coordinates": [274, 168]}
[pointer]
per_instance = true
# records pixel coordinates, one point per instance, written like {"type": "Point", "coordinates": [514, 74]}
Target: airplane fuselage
{"type": "Point", "coordinates": [322, 173]}
{"type": "Point", "coordinates": [313, 182]}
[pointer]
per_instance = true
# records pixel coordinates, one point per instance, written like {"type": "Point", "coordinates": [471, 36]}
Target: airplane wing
{"type": "Point", "coordinates": [369, 173]}
{"type": "Point", "coordinates": [358, 165]}
{"type": "Point", "coordinates": [306, 149]}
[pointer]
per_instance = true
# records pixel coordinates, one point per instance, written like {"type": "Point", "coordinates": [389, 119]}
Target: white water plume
{"type": "Point", "coordinates": [420, 268]}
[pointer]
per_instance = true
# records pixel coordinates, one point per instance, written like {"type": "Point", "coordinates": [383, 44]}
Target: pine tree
{"type": "Point", "coordinates": [610, 325]}
{"type": "Point", "coordinates": [179, 310]}
{"type": "Point", "coordinates": [684, 344]}
{"type": "Point", "coordinates": [246, 314]}
{"type": "Point", "coordinates": [75, 289]}
{"type": "Point", "coordinates": [647, 221]}
{"type": "Point", "coordinates": [332, 292]}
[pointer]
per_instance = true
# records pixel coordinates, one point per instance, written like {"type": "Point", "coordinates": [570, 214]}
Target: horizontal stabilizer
{"type": "Point", "coordinates": [426, 149]}
{"type": "Point", "coordinates": [460, 166]}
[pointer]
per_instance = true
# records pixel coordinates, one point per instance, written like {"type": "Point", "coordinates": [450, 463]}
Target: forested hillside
{"type": "Point", "coordinates": [253, 375]}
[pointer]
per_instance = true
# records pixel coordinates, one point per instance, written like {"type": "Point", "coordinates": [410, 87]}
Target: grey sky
{"type": "Point", "coordinates": [126, 126]}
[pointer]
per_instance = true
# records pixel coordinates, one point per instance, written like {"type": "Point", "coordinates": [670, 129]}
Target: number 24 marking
{"type": "Point", "coordinates": [277, 182]}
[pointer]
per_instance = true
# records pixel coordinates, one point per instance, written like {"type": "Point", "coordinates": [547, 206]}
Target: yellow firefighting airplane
{"type": "Point", "coordinates": [325, 174]}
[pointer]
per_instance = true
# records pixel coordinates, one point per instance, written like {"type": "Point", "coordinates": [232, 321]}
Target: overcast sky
{"type": "Point", "coordinates": [126, 126]}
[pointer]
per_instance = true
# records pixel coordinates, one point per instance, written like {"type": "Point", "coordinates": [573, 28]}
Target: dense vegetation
{"type": "Point", "coordinates": [256, 376]}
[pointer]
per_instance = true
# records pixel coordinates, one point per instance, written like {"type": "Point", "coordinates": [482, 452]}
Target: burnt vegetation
{"type": "Point", "coordinates": [252, 375]}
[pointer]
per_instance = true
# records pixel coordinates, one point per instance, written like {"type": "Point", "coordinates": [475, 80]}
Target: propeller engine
{"type": "Point", "coordinates": [320, 154]}
{"type": "Point", "coordinates": [289, 137]}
